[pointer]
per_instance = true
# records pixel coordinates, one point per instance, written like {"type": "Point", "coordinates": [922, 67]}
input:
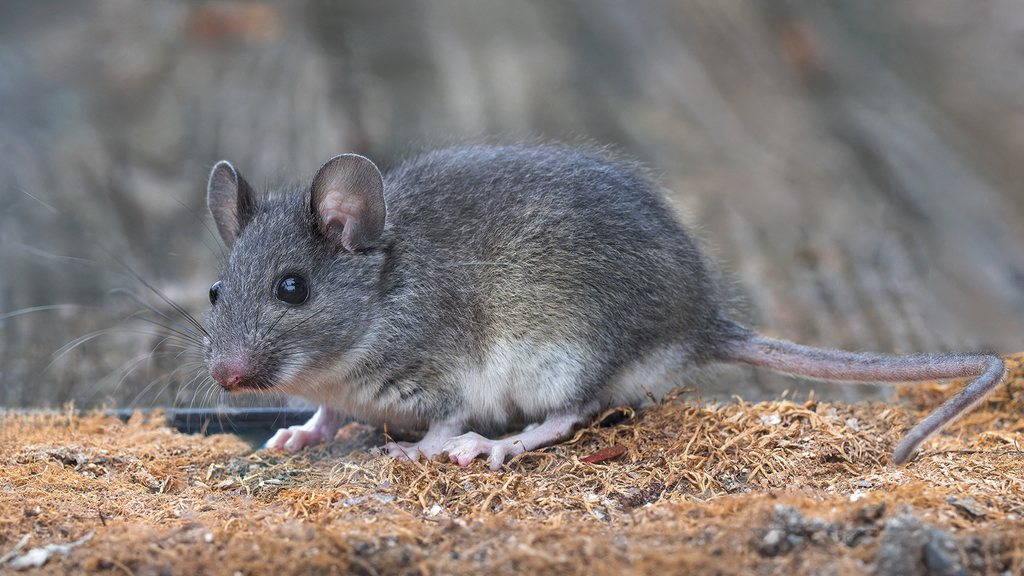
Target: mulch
{"type": "Point", "coordinates": [785, 487]}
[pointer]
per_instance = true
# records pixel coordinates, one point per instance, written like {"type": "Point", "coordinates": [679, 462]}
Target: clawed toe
{"type": "Point", "coordinates": [322, 426]}
{"type": "Point", "coordinates": [292, 439]}
{"type": "Point", "coordinates": [404, 451]}
{"type": "Point", "coordinates": [443, 438]}
{"type": "Point", "coordinates": [463, 449]}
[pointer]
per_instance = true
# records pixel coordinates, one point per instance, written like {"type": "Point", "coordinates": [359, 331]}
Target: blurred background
{"type": "Point", "coordinates": [853, 164]}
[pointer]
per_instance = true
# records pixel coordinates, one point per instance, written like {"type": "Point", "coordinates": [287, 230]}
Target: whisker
{"type": "Point", "coordinates": [16, 313]}
{"type": "Point", "coordinates": [141, 302]}
{"type": "Point", "coordinates": [177, 308]}
{"type": "Point", "coordinates": [123, 371]}
{"type": "Point", "coordinates": [219, 258]}
{"type": "Point", "coordinates": [183, 336]}
{"type": "Point", "coordinates": [65, 349]}
{"type": "Point", "coordinates": [272, 326]}
{"type": "Point", "coordinates": [169, 380]}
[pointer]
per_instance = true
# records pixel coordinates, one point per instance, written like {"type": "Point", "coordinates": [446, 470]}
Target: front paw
{"type": "Point", "coordinates": [294, 438]}
{"type": "Point", "coordinates": [404, 451]}
{"type": "Point", "coordinates": [322, 426]}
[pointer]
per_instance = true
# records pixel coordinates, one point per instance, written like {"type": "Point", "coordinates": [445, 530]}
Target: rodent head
{"type": "Point", "coordinates": [297, 292]}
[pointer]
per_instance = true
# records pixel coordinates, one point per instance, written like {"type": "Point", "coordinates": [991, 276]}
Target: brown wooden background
{"type": "Point", "coordinates": [854, 164]}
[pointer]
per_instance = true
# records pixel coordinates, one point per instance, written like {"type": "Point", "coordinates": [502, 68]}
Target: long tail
{"type": "Point", "coordinates": [988, 371]}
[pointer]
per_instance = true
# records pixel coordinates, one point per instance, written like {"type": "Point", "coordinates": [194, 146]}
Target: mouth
{"type": "Point", "coordinates": [238, 373]}
{"type": "Point", "coordinates": [245, 387]}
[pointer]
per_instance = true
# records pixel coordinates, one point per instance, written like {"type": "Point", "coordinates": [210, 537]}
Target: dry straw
{"type": "Point", "coordinates": [783, 487]}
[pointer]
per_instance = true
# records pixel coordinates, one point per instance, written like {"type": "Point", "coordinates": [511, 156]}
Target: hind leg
{"type": "Point", "coordinates": [556, 428]}
{"type": "Point", "coordinates": [431, 445]}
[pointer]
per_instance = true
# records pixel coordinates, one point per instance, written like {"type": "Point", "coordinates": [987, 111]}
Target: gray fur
{"type": "Point", "coordinates": [508, 285]}
{"type": "Point", "coordinates": [231, 201]}
{"type": "Point", "coordinates": [479, 244]}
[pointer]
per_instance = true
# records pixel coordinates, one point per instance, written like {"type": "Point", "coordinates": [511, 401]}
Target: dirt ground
{"type": "Point", "coordinates": [784, 487]}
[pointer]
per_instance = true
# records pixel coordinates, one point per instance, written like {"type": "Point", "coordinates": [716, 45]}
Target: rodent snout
{"type": "Point", "coordinates": [231, 372]}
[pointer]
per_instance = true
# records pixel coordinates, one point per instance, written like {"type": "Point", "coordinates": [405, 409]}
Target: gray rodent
{"type": "Point", "coordinates": [483, 288]}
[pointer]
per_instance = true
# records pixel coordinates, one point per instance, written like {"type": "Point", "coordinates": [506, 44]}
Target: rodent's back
{"type": "Point", "coordinates": [557, 243]}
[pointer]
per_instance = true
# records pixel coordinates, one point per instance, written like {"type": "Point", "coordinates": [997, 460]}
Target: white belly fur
{"type": "Point", "coordinates": [516, 377]}
{"type": "Point", "coordinates": [538, 379]}
{"type": "Point", "coordinates": [655, 373]}
{"type": "Point", "coordinates": [522, 375]}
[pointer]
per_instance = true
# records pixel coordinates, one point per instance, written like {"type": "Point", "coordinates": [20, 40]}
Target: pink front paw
{"type": "Point", "coordinates": [322, 426]}
{"type": "Point", "coordinates": [294, 438]}
{"type": "Point", "coordinates": [406, 451]}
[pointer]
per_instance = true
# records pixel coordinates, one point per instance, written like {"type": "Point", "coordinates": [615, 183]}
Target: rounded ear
{"type": "Point", "coordinates": [231, 201]}
{"type": "Point", "coordinates": [347, 200]}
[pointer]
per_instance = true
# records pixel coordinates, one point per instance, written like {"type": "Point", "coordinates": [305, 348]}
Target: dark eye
{"type": "Point", "coordinates": [292, 289]}
{"type": "Point", "coordinates": [214, 292]}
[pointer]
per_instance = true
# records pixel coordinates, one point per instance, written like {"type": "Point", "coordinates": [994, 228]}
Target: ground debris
{"type": "Point", "coordinates": [693, 487]}
{"type": "Point", "coordinates": [37, 557]}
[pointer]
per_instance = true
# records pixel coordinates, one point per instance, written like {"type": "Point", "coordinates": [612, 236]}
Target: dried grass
{"type": "Point", "coordinates": [701, 488]}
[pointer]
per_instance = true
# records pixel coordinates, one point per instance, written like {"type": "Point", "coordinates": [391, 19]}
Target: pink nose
{"type": "Point", "coordinates": [230, 372]}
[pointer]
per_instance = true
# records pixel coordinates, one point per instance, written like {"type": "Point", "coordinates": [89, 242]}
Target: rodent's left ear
{"type": "Point", "coordinates": [347, 200]}
{"type": "Point", "coordinates": [231, 201]}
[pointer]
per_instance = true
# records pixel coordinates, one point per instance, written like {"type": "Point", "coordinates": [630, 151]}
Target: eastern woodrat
{"type": "Point", "coordinates": [475, 290]}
